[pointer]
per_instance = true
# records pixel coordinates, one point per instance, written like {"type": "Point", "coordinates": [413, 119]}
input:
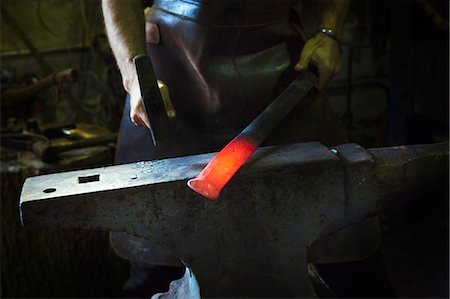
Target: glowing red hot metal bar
{"type": "Point", "coordinates": [227, 162]}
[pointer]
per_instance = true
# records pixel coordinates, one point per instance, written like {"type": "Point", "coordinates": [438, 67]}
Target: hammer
{"type": "Point", "coordinates": [155, 104]}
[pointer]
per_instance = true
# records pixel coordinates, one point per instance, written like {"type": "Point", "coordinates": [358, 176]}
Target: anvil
{"type": "Point", "coordinates": [254, 241]}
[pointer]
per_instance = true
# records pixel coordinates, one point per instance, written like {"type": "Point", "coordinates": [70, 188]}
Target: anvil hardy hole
{"type": "Point", "coordinates": [88, 179]}
{"type": "Point", "coordinates": [49, 190]}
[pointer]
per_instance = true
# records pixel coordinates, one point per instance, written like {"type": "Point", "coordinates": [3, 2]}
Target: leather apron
{"type": "Point", "coordinates": [223, 62]}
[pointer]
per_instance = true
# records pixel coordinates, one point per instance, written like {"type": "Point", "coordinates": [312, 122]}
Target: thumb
{"type": "Point", "coordinates": [142, 112]}
{"type": "Point", "coordinates": [305, 58]}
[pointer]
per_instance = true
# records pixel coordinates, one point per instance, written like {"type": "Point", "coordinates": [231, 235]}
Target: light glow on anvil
{"type": "Point", "coordinates": [222, 167]}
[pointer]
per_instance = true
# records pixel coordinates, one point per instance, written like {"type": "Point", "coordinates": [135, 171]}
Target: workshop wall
{"type": "Point", "coordinates": [62, 34]}
{"type": "Point", "coordinates": [50, 24]}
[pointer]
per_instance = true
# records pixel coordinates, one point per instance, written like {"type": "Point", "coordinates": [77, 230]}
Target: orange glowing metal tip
{"type": "Point", "coordinates": [227, 162]}
{"type": "Point", "coordinates": [221, 169]}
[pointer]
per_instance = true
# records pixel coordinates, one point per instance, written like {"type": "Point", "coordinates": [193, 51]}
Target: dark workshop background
{"type": "Point", "coordinates": [393, 89]}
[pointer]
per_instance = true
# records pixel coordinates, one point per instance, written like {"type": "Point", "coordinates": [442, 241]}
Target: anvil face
{"type": "Point", "coordinates": [253, 241]}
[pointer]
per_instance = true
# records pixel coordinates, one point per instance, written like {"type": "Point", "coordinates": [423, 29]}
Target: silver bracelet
{"type": "Point", "coordinates": [328, 32]}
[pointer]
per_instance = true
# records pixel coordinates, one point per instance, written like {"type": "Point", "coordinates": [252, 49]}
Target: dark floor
{"type": "Point", "coordinates": [416, 247]}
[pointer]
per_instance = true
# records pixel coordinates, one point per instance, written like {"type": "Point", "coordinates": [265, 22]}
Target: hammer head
{"type": "Point", "coordinates": [153, 102]}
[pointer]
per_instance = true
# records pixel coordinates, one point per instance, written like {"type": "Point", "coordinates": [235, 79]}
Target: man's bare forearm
{"type": "Point", "coordinates": [125, 27]}
{"type": "Point", "coordinates": [333, 14]}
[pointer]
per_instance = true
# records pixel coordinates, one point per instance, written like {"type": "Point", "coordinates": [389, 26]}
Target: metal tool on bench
{"type": "Point", "coordinates": [12, 97]}
{"type": "Point", "coordinates": [154, 104]}
{"type": "Point", "coordinates": [49, 150]}
{"type": "Point", "coordinates": [222, 167]}
{"type": "Point", "coordinates": [254, 242]}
